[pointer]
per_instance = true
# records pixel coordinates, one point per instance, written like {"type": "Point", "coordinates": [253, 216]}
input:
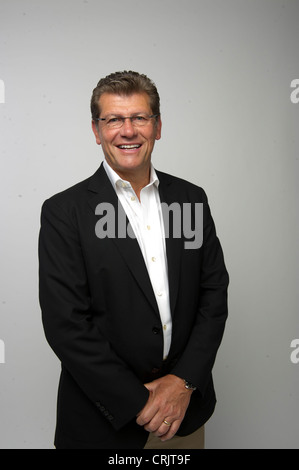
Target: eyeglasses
{"type": "Point", "coordinates": [116, 122]}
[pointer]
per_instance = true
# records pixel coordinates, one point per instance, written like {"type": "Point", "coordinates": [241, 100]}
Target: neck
{"type": "Point", "coordinates": [137, 179]}
{"type": "Point", "coordinates": [138, 183]}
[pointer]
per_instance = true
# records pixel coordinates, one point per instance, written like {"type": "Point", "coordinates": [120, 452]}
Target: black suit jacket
{"type": "Point", "coordinates": [101, 318]}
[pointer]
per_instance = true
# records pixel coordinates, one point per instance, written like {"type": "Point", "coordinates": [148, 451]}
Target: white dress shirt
{"type": "Point", "coordinates": [145, 217]}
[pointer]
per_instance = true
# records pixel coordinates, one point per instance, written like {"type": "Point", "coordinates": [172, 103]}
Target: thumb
{"type": "Point", "coordinates": [150, 386]}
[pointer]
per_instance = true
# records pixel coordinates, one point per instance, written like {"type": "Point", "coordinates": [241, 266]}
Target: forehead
{"type": "Point", "coordinates": [110, 103]}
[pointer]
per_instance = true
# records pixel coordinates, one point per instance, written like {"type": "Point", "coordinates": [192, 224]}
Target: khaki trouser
{"type": "Point", "coordinates": [196, 440]}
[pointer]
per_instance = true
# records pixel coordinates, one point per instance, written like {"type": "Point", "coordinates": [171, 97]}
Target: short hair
{"type": "Point", "coordinates": [125, 83]}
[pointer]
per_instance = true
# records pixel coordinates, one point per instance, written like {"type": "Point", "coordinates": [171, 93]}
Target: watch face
{"type": "Point", "coordinates": [189, 386]}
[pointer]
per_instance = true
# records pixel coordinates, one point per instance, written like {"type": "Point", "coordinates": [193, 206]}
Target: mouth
{"type": "Point", "coordinates": [129, 146]}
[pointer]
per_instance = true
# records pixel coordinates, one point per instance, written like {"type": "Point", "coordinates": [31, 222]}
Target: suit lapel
{"type": "Point", "coordinates": [173, 245]}
{"type": "Point", "coordinates": [128, 247]}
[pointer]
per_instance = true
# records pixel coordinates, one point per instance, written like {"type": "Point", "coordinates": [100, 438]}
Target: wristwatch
{"type": "Point", "coordinates": [189, 385]}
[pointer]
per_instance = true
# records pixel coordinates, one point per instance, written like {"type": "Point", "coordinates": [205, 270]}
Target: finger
{"type": "Point", "coordinates": [159, 428]}
{"type": "Point", "coordinates": [154, 424]}
{"type": "Point", "coordinates": [171, 431]}
{"type": "Point", "coordinates": [143, 419]}
{"type": "Point", "coordinates": [147, 414]}
{"type": "Point", "coordinates": [164, 428]}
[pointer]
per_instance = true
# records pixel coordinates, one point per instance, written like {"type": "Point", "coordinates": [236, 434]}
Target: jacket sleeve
{"type": "Point", "coordinates": [68, 322]}
{"type": "Point", "coordinates": [197, 360]}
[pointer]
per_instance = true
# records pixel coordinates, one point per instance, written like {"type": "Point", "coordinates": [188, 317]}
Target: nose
{"type": "Point", "coordinates": [127, 129]}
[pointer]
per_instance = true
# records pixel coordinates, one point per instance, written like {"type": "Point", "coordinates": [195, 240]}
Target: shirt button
{"type": "Point", "coordinates": [159, 293]}
{"type": "Point", "coordinates": [164, 327]}
{"type": "Point", "coordinates": [133, 198]}
{"type": "Point", "coordinates": [148, 227]}
{"type": "Point", "coordinates": [153, 259]}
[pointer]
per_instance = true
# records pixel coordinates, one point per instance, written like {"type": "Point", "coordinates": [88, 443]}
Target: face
{"type": "Point", "coordinates": [136, 159]}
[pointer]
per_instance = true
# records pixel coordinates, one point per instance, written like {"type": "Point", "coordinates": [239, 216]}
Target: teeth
{"type": "Point", "coordinates": [129, 146]}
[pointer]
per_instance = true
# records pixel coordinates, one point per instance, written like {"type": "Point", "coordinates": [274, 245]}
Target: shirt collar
{"type": "Point", "coordinates": [116, 180]}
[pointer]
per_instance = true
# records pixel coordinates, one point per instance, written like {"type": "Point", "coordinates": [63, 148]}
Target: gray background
{"type": "Point", "coordinates": [223, 69]}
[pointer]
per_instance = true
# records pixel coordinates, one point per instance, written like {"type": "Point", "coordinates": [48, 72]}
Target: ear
{"type": "Point", "coordinates": [158, 128]}
{"type": "Point", "coordinates": [96, 132]}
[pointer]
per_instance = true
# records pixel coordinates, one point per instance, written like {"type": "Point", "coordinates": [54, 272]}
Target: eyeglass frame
{"type": "Point", "coordinates": [123, 118]}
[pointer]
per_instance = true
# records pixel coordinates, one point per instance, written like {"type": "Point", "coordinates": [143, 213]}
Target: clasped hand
{"type": "Point", "coordinates": [166, 406]}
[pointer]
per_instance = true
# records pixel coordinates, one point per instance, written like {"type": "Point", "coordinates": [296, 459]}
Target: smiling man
{"type": "Point", "coordinates": [127, 133]}
{"type": "Point", "coordinates": [135, 321]}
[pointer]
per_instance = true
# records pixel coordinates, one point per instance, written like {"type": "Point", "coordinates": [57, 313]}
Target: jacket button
{"type": "Point", "coordinates": [155, 330]}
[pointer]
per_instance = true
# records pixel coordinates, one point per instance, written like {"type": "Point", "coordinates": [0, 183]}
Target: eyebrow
{"type": "Point", "coordinates": [131, 115]}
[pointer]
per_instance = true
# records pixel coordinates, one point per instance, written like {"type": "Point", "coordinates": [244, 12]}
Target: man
{"type": "Point", "coordinates": [135, 316]}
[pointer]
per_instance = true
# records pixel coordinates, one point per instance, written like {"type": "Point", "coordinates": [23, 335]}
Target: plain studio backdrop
{"type": "Point", "coordinates": [225, 70]}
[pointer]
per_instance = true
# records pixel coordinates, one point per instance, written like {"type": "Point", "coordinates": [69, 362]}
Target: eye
{"type": "Point", "coordinates": [114, 120]}
{"type": "Point", "coordinates": [139, 119]}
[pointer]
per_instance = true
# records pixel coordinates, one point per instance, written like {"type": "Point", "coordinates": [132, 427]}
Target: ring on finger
{"type": "Point", "coordinates": [166, 422]}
